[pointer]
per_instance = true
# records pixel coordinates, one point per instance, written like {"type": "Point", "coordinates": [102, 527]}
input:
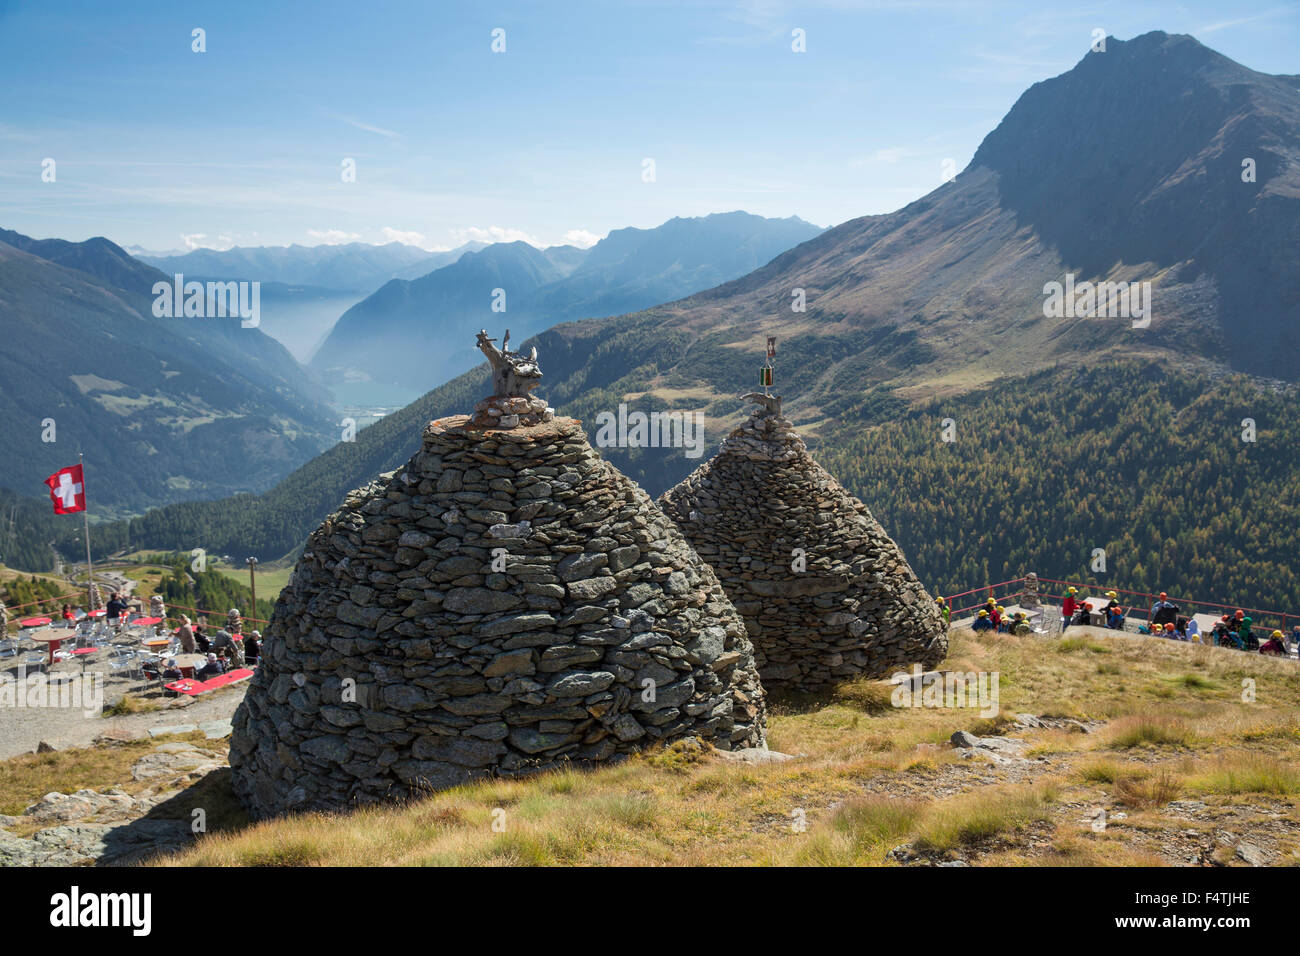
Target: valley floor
{"type": "Point", "coordinates": [1105, 751]}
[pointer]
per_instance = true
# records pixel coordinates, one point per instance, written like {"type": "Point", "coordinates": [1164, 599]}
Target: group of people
{"type": "Point", "coordinates": [240, 650]}
{"type": "Point", "coordinates": [993, 617]}
{"type": "Point", "coordinates": [1075, 612]}
{"type": "Point", "coordinates": [1166, 620]}
{"type": "Point", "coordinates": [226, 651]}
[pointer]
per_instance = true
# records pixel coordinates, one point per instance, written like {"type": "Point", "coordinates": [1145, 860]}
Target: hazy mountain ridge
{"type": "Point", "coordinates": [353, 266]}
{"type": "Point", "coordinates": [164, 409]}
{"type": "Point", "coordinates": [416, 333]}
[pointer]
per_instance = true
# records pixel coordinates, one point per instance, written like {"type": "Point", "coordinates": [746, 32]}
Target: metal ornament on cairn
{"type": "Point", "coordinates": [769, 404]}
{"type": "Point", "coordinates": [513, 377]}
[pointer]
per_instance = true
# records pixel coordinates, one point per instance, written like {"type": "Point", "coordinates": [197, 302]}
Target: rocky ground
{"type": "Point", "coordinates": [114, 826]}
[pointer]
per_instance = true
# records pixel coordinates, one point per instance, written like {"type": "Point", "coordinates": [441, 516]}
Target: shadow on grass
{"type": "Point", "coordinates": [208, 805]}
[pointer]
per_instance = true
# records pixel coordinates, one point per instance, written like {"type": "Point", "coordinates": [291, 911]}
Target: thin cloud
{"type": "Point", "coordinates": [365, 127]}
{"type": "Point", "coordinates": [580, 238]}
{"type": "Point", "coordinates": [332, 237]}
{"type": "Point", "coordinates": [494, 234]}
{"type": "Point", "coordinates": [1228, 24]}
{"type": "Point", "coordinates": [407, 237]}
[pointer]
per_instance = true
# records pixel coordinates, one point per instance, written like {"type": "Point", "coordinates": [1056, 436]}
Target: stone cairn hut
{"type": "Point", "coordinates": [504, 603]}
{"type": "Point", "coordinates": [853, 608]}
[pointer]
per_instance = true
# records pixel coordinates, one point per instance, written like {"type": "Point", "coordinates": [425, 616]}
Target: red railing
{"type": "Point", "coordinates": [244, 617]}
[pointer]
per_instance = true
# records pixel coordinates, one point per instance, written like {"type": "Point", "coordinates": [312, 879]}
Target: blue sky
{"type": "Point", "coordinates": [165, 148]}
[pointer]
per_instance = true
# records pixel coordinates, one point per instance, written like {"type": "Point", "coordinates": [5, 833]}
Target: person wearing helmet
{"type": "Point", "coordinates": [1020, 624]}
{"type": "Point", "coordinates": [982, 621]}
{"type": "Point", "coordinates": [1249, 642]}
{"type": "Point", "coordinates": [1169, 631]}
{"type": "Point", "coordinates": [945, 612]}
{"type": "Point", "coordinates": [1084, 616]}
{"type": "Point", "coordinates": [999, 624]}
{"type": "Point", "coordinates": [1274, 646]}
{"type": "Point", "coordinates": [1114, 616]}
{"type": "Point", "coordinates": [1069, 605]}
{"type": "Point", "coordinates": [1164, 611]}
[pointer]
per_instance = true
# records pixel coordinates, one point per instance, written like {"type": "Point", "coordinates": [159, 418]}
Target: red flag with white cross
{"type": "Point", "coordinates": [67, 490]}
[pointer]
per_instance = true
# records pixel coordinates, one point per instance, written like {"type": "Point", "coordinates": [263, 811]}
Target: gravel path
{"type": "Point", "coordinates": [23, 728]}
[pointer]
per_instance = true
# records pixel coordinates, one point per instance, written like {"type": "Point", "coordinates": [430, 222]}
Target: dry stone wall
{"type": "Point", "coordinates": [854, 608]}
{"type": "Point", "coordinates": [504, 603]}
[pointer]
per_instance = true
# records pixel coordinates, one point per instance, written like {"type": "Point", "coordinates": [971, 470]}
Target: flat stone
{"type": "Point", "coordinates": [173, 729]}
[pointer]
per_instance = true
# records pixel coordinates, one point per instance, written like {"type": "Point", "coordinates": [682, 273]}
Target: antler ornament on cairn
{"type": "Point", "coordinates": [513, 377]}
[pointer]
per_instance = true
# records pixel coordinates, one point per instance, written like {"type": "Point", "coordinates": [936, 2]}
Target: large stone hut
{"type": "Point", "coordinates": [826, 595]}
{"type": "Point", "coordinates": [504, 603]}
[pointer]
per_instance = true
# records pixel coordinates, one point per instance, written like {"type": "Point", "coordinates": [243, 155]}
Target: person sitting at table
{"type": "Point", "coordinates": [68, 616]}
{"type": "Point", "coordinates": [209, 670]}
{"type": "Point", "coordinates": [252, 647]}
{"type": "Point", "coordinates": [171, 671]}
{"type": "Point", "coordinates": [234, 655]}
{"type": "Point", "coordinates": [201, 639]}
{"type": "Point", "coordinates": [222, 641]}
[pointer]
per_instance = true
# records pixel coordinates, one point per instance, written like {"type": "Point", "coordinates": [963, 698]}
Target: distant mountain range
{"type": "Point", "coordinates": [411, 334]}
{"type": "Point", "coordinates": [164, 409]}
{"type": "Point", "coordinates": [306, 288]}
{"type": "Point", "coordinates": [1126, 168]}
{"type": "Point", "coordinates": [352, 267]}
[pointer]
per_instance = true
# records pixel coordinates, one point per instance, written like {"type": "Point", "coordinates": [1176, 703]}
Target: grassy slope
{"type": "Point", "coordinates": [871, 777]}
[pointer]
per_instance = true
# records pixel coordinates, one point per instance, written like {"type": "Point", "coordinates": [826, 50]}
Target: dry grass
{"type": "Point", "coordinates": [27, 778]}
{"type": "Point", "coordinates": [867, 777]}
{"type": "Point", "coordinates": [130, 704]}
{"type": "Point", "coordinates": [976, 816]}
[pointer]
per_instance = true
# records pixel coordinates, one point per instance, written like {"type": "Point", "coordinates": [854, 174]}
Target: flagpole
{"type": "Point", "coordinates": [90, 570]}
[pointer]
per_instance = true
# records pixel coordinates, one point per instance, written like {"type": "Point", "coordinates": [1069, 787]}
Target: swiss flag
{"type": "Point", "coordinates": [67, 490]}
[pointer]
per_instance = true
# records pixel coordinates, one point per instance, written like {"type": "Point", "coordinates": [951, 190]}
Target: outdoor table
{"type": "Point", "coordinates": [35, 622]}
{"type": "Point", "coordinates": [187, 663]}
{"type": "Point", "coordinates": [84, 653]}
{"type": "Point", "coordinates": [100, 613]}
{"type": "Point", "coordinates": [157, 642]}
{"type": "Point", "coordinates": [146, 621]}
{"type": "Point", "coordinates": [51, 639]}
